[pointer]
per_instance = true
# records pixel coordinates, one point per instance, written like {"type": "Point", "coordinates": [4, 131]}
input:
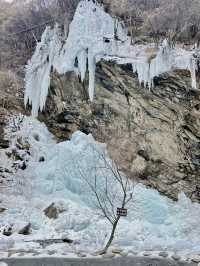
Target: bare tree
{"type": "Point", "coordinates": [111, 189]}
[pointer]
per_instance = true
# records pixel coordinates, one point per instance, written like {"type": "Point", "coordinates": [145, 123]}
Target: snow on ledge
{"type": "Point", "coordinates": [95, 35]}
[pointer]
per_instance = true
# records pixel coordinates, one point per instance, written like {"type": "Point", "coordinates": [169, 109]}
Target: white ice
{"type": "Point", "coordinates": [95, 35]}
{"type": "Point", "coordinates": [38, 70]}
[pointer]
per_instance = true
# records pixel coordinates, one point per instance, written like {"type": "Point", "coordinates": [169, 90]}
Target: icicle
{"type": "Point", "coordinates": [38, 70]}
{"type": "Point", "coordinates": [82, 63]}
{"type": "Point", "coordinates": [193, 67]}
{"type": "Point", "coordinates": [92, 67]}
{"type": "Point", "coordinates": [93, 36]}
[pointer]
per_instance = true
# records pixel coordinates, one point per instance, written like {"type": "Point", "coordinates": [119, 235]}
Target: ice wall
{"type": "Point", "coordinates": [95, 35]}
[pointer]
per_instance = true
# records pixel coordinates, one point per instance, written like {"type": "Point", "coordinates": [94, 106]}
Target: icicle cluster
{"type": "Point", "coordinates": [150, 65]}
{"type": "Point", "coordinates": [39, 69]}
{"type": "Point", "coordinates": [95, 35]}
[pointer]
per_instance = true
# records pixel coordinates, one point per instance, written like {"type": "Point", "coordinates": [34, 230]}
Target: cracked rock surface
{"type": "Point", "coordinates": [152, 135]}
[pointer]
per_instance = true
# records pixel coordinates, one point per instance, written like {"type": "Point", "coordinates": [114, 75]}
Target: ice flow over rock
{"type": "Point", "coordinates": [95, 35]}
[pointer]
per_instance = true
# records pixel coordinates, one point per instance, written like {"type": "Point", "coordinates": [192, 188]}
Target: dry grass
{"type": "Point", "coordinates": [9, 88]}
{"type": "Point", "coordinates": [8, 81]}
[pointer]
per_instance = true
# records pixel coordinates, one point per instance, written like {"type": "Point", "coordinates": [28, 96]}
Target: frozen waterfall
{"type": "Point", "coordinates": [95, 35]}
{"type": "Point", "coordinates": [153, 221]}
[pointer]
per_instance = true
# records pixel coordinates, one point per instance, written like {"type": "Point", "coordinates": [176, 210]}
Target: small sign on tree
{"type": "Point", "coordinates": [121, 212]}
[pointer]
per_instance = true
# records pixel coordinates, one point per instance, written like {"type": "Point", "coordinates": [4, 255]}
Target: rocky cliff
{"type": "Point", "coordinates": [153, 135]}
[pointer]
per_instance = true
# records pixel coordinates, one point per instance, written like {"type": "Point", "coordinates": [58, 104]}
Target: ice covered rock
{"type": "Point", "coordinates": [163, 254]}
{"type": "Point", "coordinates": [26, 230]}
{"type": "Point", "coordinates": [165, 60]}
{"type": "Point", "coordinates": [176, 257]}
{"type": "Point", "coordinates": [95, 35]}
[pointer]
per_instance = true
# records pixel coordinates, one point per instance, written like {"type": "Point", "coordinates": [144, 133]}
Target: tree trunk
{"type": "Point", "coordinates": [112, 235]}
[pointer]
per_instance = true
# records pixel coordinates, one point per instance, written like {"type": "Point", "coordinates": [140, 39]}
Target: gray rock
{"type": "Point", "coordinates": [108, 255]}
{"type": "Point", "coordinates": [7, 231]}
{"type": "Point", "coordinates": [176, 257]}
{"type": "Point", "coordinates": [163, 254]}
{"type": "Point", "coordinates": [26, 230]}
{"type": "Point", "coordinates": [147, 253]}
{"type": "Point", "coordinates": [81, 255]}
{"type": "Point", "coordinates": [51, 252]}
{"type": "Point", "coordinates": [124, 254]}
{"type": "Point", "coordinates": [2, 210]}
{"type": "Point", "coordinates": [196, 259]}
{"type": "Point", "coordinates": [51, 212]}
{"type": "Point", "coordinates": [117, 250]}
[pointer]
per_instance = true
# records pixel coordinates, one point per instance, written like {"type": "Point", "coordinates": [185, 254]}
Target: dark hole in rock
{"type": "Point", "coordinates": [156, 81]}
{"type": "Point", "coordinates": [67, 240]}
{"type": "Point", "coordinates": [76, 62]}
{"type": "Point", "coordinates": [41, 159]}
{"type": "Point", "coordinates": [23, 167]}
{"type": "Point", "coordinates": [106, 40]}
{"type": "Point", "coordinates": [197, 107]}
{"type": "Point", "coordinates": [144, 154]}
{"type": "Point", "coordinates": [127, 67]}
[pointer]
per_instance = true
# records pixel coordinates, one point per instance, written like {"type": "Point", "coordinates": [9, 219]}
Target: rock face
{"type": "Point", "coordinates": [52, 211]}
{"type": "Point", "coordinates": [154, 135]}
{"type": "Point", "coordinates": [11, 101]}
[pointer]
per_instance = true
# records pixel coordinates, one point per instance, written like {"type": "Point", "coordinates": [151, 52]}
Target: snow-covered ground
{"type": "Point", "coordinates": [153, 222]}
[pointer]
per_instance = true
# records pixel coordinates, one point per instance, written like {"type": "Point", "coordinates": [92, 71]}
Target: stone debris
{"type": "Point", "coordinates": [124, 254]}
{"type": "Point", "coordinates": [81, 255]}
{"type": "Point", "coordinates": [51, 211]}
{"type": "Point", "coordinates": [163, 254]}
{"type": "Point", "coordinates": [117, 250]}
{"type": "Point", "coordinates": [2, 210]}
{"type": "Point", "coordinates": [176, 257]}
{"type": "Point", "coordinates": [147, 253]}
{"type": "Point", "coordinates": [26, 230]}
{"type": "Point", "coordinates": [108, 255]}
{"type": "Point", "coordinates": [196, 259]}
